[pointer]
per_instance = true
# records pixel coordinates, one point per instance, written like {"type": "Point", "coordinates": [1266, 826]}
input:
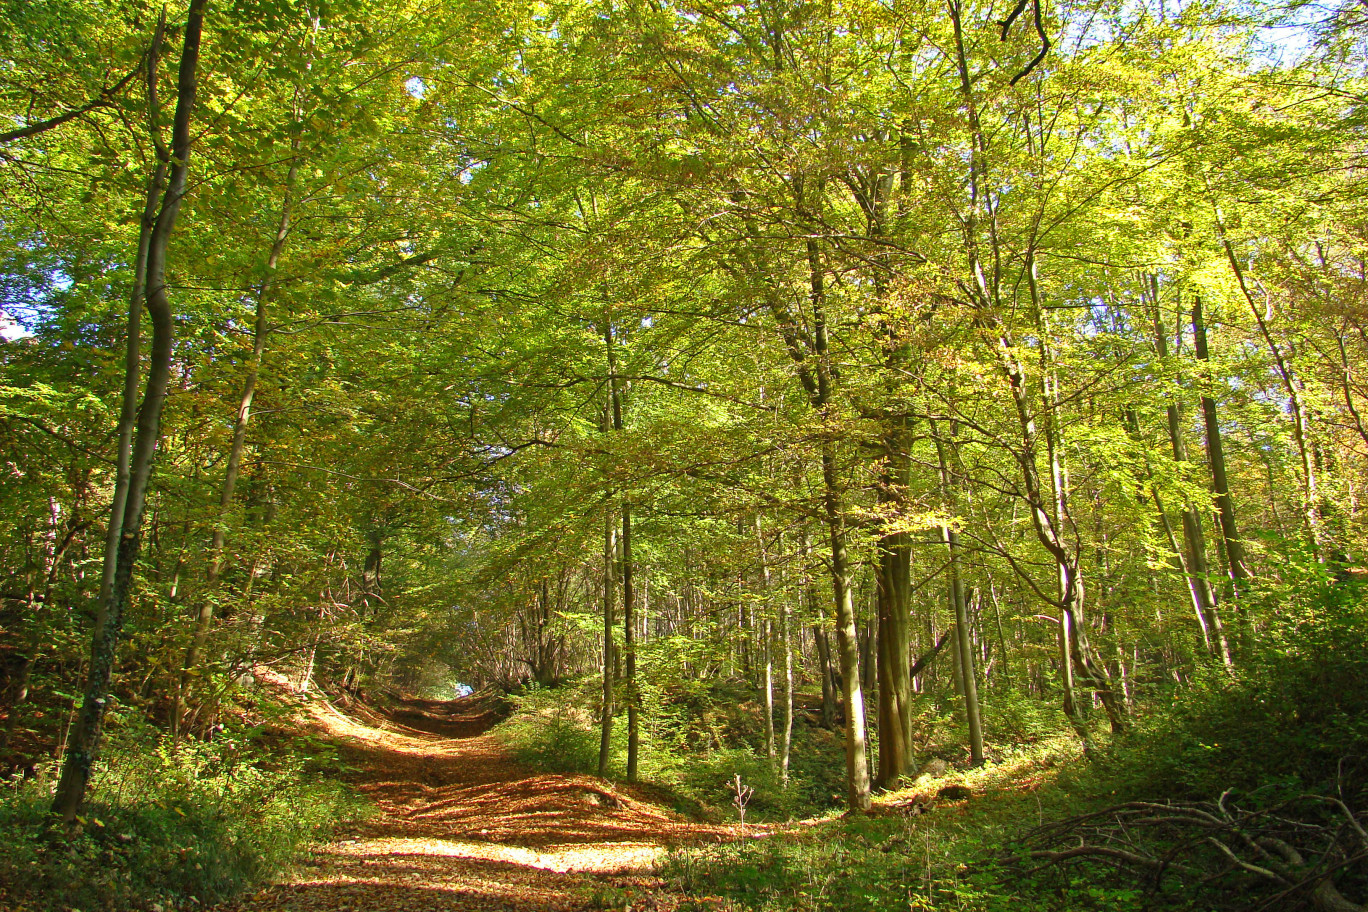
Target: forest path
{"type": "Point", "coordinates": [461, 827]}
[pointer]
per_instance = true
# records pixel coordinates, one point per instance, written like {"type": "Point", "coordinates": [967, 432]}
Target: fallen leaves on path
{"type": "Point", "coordinates": [461, 827]}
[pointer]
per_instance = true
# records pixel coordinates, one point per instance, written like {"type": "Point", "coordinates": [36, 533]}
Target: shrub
{"type": "Point", "coordinates": [1292, 718]}
{"type": "Point", "coordinates": [164, 828]}
{"type": "Point", "coordinates": [553, 729]}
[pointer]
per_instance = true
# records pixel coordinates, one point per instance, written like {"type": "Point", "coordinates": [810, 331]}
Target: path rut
{"type": "Point", "coordinates": [461, 827]}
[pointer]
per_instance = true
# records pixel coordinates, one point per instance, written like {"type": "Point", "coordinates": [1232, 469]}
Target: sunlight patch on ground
{"type": "Point", "coordinates": [598, 858]}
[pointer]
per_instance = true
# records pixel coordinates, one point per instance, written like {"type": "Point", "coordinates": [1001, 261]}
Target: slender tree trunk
{"type": "Point", "coordinates": [204, 619]}
{"type": "Point", "coordinates": [609, 662]}
{"type": "Point", "coordinates": [1311, 507]}
{"type": "Point", "coordinates": [847, 642]}
{"type": "Point", "coordinates": [629, 647]}
{"type": "Point", "coordinates": [819, 377]}
{"type": "Point", "coordinates": [771, 748]}
{"type": "Point", "coordinates": [819, 636]}
{"type": "Point", "coordinates": [1225, 503]}
{"type": "Point", "coordinates": [964, 640]}
{"type": "Point", "coordinates": [786, 635]}
{"type": "Point", "coordinates": [1180, 562]}
{"type": "Point", "coordinates": [1348, 385]}
{"type": "Point", "coordinates": [1200, 578]}
{"type": "Point", "coordinates": [1075, 653]}
{"type": "Point", "coordinates": [767, 645]}
{"type": "Point", "coordinates": [963, 637]}
{"type": "Point", "coordinates": [1002, 636]}
{"type": "Point", "coordinates": [1148, 489]}
{"type": "Point", "coordinates": [128, 414]}
{"type": "Point", "coordinates": [306, 679]}
{"type": "Point", "coordinates": [84, 740]}
{"type": "Point", "coordinates": [985, 278]}
{"type": "Point", "coordinates": [869, 648]}
{"type": "Point", "coordinates": [628, 592]}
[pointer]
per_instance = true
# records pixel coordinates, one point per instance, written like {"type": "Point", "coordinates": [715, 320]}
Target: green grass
{"type": "Point", "coordinates": [945, 858]}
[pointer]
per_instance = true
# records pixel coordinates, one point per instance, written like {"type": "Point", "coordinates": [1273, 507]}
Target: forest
{"type": "Point", "coordinates": [683, 455]}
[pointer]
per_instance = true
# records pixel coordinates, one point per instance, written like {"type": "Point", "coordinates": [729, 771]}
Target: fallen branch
{"type": "Point", "coordinates": [1297, 846]}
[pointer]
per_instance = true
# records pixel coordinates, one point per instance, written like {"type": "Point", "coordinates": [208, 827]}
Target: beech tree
{"type": "Point", "coordinates": [879, 353]}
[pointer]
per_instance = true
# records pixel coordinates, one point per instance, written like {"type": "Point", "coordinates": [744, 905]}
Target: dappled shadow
{"type": "Point", "coordinates": [467, 717]}
{"type": "Point", "coordinates": [485, 889]}
{"type": "Point", "coordinates": [461, 825]}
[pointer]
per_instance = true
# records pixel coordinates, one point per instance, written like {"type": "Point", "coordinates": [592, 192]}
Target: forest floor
{"type": "Point", "coordinates": [459, 826]}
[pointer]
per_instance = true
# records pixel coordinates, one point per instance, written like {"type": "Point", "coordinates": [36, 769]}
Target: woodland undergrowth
{"type": "Point", "coordinates": [1273, 754]}
{"type": "Point", "coordinates": [697, 738]}
{"type": "Point", "coordinates": [171, 828]}
{"type": "Point", "coordinates": [1270, 762]}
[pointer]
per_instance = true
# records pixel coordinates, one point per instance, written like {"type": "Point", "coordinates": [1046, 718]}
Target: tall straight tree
{"type": "Point", "coordinates": [1193, 534]}
{"type": "Point", "coordinates": [1236, 567]}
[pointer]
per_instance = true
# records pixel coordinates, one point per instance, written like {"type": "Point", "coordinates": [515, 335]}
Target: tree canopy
{"type": "Point", "coordinates": [660, 343]}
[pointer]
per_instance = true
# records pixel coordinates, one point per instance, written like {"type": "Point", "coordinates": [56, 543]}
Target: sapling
{"type": "Point", "coordinates": [741, 796]}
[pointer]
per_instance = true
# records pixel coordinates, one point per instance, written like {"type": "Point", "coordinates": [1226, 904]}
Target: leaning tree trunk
{"type": "Point", "coordinates": [84, 739]}
{"type": "Point", "coordinates": [260, 330]}
{"type": "Point", "coordinates": [1192, 519]}
{"type": "Point", "coordinates": [1076, 658]}
{"type": "Point", "coordinates": [980, 230]}
{"type": "Point", "coordinates": [1311, 506]}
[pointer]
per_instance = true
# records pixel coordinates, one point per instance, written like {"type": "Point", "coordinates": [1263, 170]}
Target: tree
{"type": "Point", "coordinates": [85, 736]}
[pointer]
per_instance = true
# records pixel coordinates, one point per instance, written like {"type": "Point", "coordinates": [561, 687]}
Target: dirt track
{"type": "Point", "coordinates": [461, 827]}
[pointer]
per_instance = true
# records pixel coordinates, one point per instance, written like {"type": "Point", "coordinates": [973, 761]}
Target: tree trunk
{"type": "Point", "coordinates": [1311, 507]}
{"type": "Point", "coordinates": [771, 749]}
{"type": "Point", "coordinates": [1200, 578]}
{"type": "Point", "coordinates": [306, 679]}
{"type": "Point", "coordinates": [609, 661]}
{"type": "Point", "coordinates": [818, 377]}
{"type": "Point", "coordinates": [766, 645]}
{"type": "Point", "coordinates": [128, 414]}
{"type": "Point", "coordinates": [1225, 503]}
{"type": "Point", "coordinates": [847, 642]}
{"type": "Point", "coordinates": [84, 740]}
{"type": "Point", "coordinates": [963, 638]}
{"type": "Point", "coordinates": [894, 641]}
{"type": "Point", "coordinates": [1075, 654]}
{"type": "Point", "coordinates": [819, 638]}
{"type": "Point", "coordinates": [997, 336]}
{"type": "Point", "coordinates": [786, 746]}
{"type": "Point", "coordinates": [629, 647]}
{"type": "Point", "coordinates": [628, 596]}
